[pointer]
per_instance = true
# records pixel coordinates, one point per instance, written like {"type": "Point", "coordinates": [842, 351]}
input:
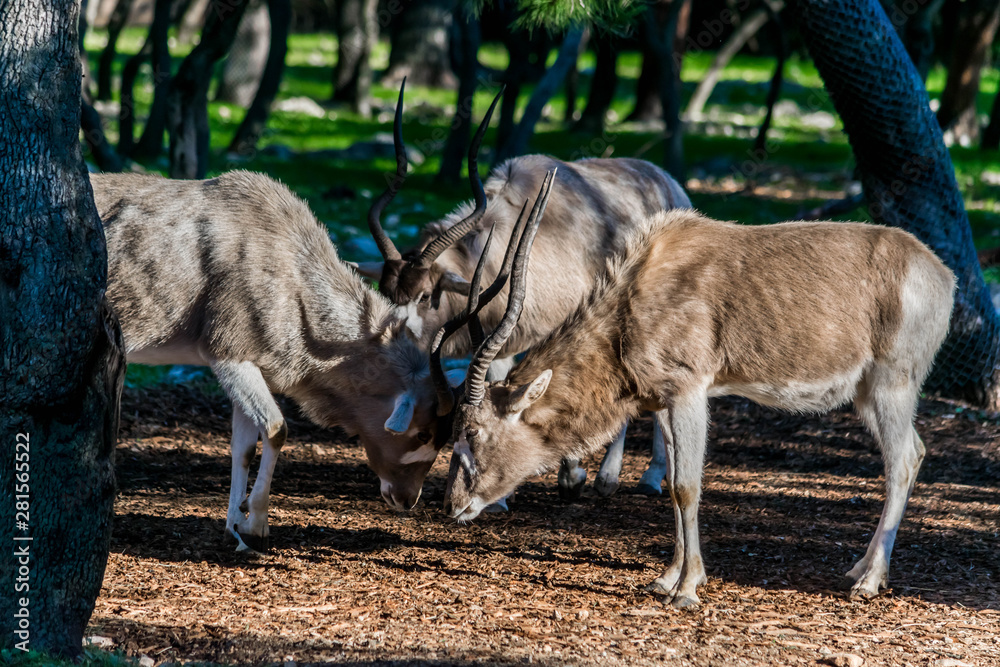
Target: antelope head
{"type": "Point", "coordinates": [413, 277]}
{"type": "Point", "coordinates": [495, 447]}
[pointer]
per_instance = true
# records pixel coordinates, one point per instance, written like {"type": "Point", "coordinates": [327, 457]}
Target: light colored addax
{"type": "Point", "coordinates": [235, 273]}
{"type": "Point", "coordinates": [595, 206]}
{"type": "Point", "coordinates": [799, 316]}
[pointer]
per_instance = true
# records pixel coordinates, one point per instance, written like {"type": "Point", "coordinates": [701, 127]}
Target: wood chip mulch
{"type": "Point", "coordinates": [789, 505]}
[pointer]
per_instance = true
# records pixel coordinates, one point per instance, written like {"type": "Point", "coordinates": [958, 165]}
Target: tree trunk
{"type": "Point", "coordinates": [991, 135]}
{"type": "Point", "coordinates": [419, 45]}
{"type": "Point", "coordinates": [244, 143]}
{"type": "Point", "coordinates": [467, 37]}
{"type": "Point", "coordinates": [907, 173]}
{"type": "Point", "coordinates": [602, 87]}
{"type": "Point", "coordinates": [748, 28]}
{"type": "Point", "coordinates": [245, 63]}
{"type": "Point", "coordinates": [661, 26]}
{"type": "Point", "coordinates": [546, 88]}
{"type": "Point", "coordinates": [150, 145]}
{"type": "Point", "coordinates": [187, 103]}
{"type": "Point", "coordinates": [914, 22]}
{"type": "Point", "coordinates": [977, 26]}
{"type": "Point", "coordinates": [107, 60]}
{"type": "Point", "coordinates": [647, 88]}
{"type": "Point", "coordinates": [60, 347]}
{"type": "Point", "coordinates": [357, 31]}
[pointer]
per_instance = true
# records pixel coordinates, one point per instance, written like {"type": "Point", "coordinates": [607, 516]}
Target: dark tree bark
{"type": "Point", "coordinates": [244, 66]}
{"type": "Point", "coordinates": [151, 143]}
{"type": "Point", "coordinates": [647, 90]}
{"type": "Point", "coordinates": [991, 135]}
{"type": "Point", "coordinates": [661, 26]}
{"type": "Point", "coordinates": [602, 86]}
{"type": "Point", "coordinates": [419, 45]}
{"type": "Point", "coordinates": [60, 347]}
{"type": "Point", "coordinates": [517, 144]}
{"type": "Point", "coordinates": [187, 103]}
{"type": "Point", "coordinates": [746, 31]}
{"type": "Point", "coordinates": [906, 173]}
{"type": "Point", "coordinates": [774, 91]}
{"type": "Point", "coordinates": [466, 36]}
{"type": "Point", "coordinates": [357, 30]}
{"type": "Point", "coordinates": [244, 143]}
{"type": "Point", "coordinates": [977, 26]}
{"type": "Point", "coordinates": [107, 60]}
{"type": "Point", "coordinates": [915, 27]}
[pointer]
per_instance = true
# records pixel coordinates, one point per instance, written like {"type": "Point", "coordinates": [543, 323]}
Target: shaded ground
{"type": "Point", "coordinates": [789, 505]}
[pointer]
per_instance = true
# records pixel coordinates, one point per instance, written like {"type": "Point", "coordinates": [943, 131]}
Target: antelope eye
{"type": "Point", "coordinates": [424, 437]}
{"type": "Point", "coordinates": [472, 433]}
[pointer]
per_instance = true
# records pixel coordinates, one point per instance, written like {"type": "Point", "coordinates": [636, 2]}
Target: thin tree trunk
{"type": "Point", "coordinates": [573, 82]}
{"type": "Point", "coordinates": [991, 135]}
{"type": "Point", "coordinates": [244, 143]}
{"type": "Point", "coordinates": [661, 22]}
{"type": "Point", "coordinates": [907, 173]}
{"type": "Point", "coordinates": [513, 79]}
{"type": "Point", "coordinates": [244, 66]}
{"type": "Point", "coordinates": [914, 22]}
{"type": "Point", "coordinates": [419, 45]}
{"type": "Point", "coordinates": [150, 144]}
{"type": "Point", "coordinates": [602, 87]}
{"type": "Point", "coordinates": [750, 27]}
{"type": "Point", "coordinates": [467, 37]}
{"type": "Point", "coordinates": [647, 88]}
{"type": "Point", "coordinates": [126, 108]}
{"type": "Point", "coordinates": [546, 88]}
{"type": "Point", "coordinates": [977, 26]}
{"type": "Point", "coordinates": [187, 107]}
{"type": "Point", "coordinates": [60, 347]}
{"type": "Point", "coordinates": [107, 60]}
{"type": "Point", "coordinates": [357, 31]}
{"type": "Point", "coordinates": [774, 91]}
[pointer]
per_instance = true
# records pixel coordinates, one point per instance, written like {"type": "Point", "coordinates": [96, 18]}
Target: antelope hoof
{"type": "Point", "coordinates": [648, 489]}
{"type": "Point", "coordinates": [605, 487]}
{"type": "Point", "coordinates": [684, 602]}
{"type": "Point", "coordinates": [571, 486]}
{"type": "Point", "coordinates": [657, 588]}
{"type": "Point", "coordinates": [867, 587]}
{"type": "Point", "coordinates": [255, 543]}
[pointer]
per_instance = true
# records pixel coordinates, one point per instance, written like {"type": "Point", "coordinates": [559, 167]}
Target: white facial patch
{"type": "Point", "coordinates": [464, 453]}
{"type": "Point", "coordinates": [402, 415]}
{"type": "Point", "coordinates": [424, 454]}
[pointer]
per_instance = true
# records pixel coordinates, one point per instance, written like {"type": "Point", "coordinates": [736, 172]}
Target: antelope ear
{"type": "Point", "coordinates": [399, 421]}
{"type": "Point", "coordinates": [526, 394]}
{"type": "Point", "coordinates": [452, 282]}
{"type": "Point", "coordinates": [456, 377]}
{"type": "Point", "coordinates": [370, 270]}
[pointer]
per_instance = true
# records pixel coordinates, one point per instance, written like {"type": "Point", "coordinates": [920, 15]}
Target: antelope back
{"type": "Point", "coordinates": [237, 268]}
{"type": "Point", "coordinates": [595, 206]}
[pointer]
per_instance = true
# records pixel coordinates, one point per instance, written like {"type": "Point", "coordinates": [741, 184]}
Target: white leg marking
{"type": "Point", "coordinates": [652, 480]}
{"type": "Point", "coordinates": [886, 403]}
{"type": "Point", "coordinates": [611, 466]}
{"type": "Point", "coordinates": [254, 412]}
{"type": "Point", "coordinates": [687, 421]}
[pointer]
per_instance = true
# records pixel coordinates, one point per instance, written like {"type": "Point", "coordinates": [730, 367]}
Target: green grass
{"type": "Point", "coordinates": [737, 101]}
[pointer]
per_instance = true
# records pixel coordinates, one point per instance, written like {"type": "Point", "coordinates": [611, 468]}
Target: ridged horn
{"type": "Point", "coordinates": [451, 235]}
{"type": "Point", "coordinates": [475, 379]}
{"type": "Point", "coordinates": [382, 240]}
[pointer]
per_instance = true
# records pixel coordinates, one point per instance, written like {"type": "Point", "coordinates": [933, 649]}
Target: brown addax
{"type": "Point", "coordinates": [799, 316]}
